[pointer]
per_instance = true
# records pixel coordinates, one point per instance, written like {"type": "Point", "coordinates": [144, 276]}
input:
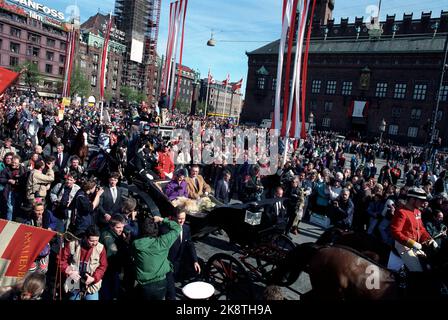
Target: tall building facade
{"type": "Point", "coordinates": [31, 35]}
{"type": "Point", "coordinates": [139, 19]}
{"type": "Point", "coordinates": [90, 51]}
{"type": "Point", "coordinates": [222, 101]}
{"type": "Point", "coordinates": [358, 75]}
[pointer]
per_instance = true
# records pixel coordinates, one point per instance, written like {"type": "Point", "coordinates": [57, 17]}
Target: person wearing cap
{"type": "Point", "coordinates": [408, 231]}
{"type": "Point", "coordinates": [177, 187]}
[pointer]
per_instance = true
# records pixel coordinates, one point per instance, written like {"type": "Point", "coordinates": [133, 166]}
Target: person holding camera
{"type": "Point", "coordinates": [341, 210]}
{"type": "Point", "coordinates": [11, 177]}
{"type": "Point", "coordinates": [61, 197]}
{"type": "Point", "coordinates": [83, 207]}
{"type": "Point", "coordinates": [177, 187]}
{"type": "Point", "coordinates": [150, 254]}
{"type": "Point", "coordinates": [116, 240]}
{"type": "Point", "coordinates": [39, 183]}
{"type": "Point", "coordinates": [84, 263]}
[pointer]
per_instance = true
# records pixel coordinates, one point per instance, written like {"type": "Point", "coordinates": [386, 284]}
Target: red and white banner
{"type": "Point", "coordinates": [181, 53]}
{"type": "Point", "coordinates": [237, 85]}
{"type": "Point", "coordinates": [7, 78]}
{"type": "Point", "coordinates": [286, 20]}
{"type": "Point", "coordinates": [104, 57]}
{"type": "Point", "coordinates": [20, 245]}
{"type": "Point", "coordinates": [358, 109]}
{"type": "Point", "coordinates": [70, 54]}
{"type": "Point", "coordinates": [210, 79]}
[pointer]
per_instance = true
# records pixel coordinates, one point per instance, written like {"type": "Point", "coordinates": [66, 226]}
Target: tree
{"type": "Point", "coordinates": [79, 84]}
{"type": "Point", "coordinates": [183, 107]}
{"type": "Point", "coordinates": [108, 95]}
{"type": "Point", "coordinates": [131, 95]}
{"type": "Point", "coordinates": [30, 75]}
{"type": "Point", "coordinates": [200, 107]}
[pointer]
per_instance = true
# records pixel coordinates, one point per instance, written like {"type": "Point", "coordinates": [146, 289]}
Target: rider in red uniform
{"type": "Point", "coordinates": [408, 231]}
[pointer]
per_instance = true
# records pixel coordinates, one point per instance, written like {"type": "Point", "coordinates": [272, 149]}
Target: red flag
{"type": "Point", "coordinates": [20, 245]}
{"type": "Point", "coordinates": [104, 56]}
{"type": "Point", "coordinates": [237, 85]}
{"type": "Point", "coordinates": [7, 78]}
{"type": "Point", "coordinates": [226, 82]}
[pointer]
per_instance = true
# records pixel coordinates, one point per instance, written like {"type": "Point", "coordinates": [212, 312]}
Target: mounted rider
{"type": "Point", "coordinates": [408, 230]}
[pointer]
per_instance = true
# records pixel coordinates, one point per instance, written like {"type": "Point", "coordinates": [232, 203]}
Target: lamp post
{"type": "Point", "coordinates": [310, 123]}
{"type": "Point", "coordinates": [382, 129]}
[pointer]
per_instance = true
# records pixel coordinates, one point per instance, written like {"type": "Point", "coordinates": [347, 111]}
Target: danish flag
{"type": "Point", "coordinates": [20, 245]}
{"type": "Point", "coordinates": [226, 82]}
{"type": "Point", "coordinates": [237, 85]}
{"type": "Point", "coordinates": [210, 78]}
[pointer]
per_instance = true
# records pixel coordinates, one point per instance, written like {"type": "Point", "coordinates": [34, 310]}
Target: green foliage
{"type": "Point", "coordinates": [31, 75]}
{"type": "Point", "coordinates": [131, 95]}
{"type": "Point", "coordinates": [183, 107]}
{"type": "Point", "coordinates": [79, 84]}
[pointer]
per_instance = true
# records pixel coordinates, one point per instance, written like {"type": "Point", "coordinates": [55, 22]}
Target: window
{"type": "Point", "coordinates": [381, 90]}
{"type": "Point", "coordinates": [51, 42]}
{"type": "Point", "coordinates": [96, 58]}
{"type": "Point", "coordinates": [63, 46]}
{"type": "Point", "coordinates": [1, 27]}
{"type": "Point", "coordinates": [439, 115]}
{"type": "Point", "coordinates": [95, 67]}
{"type": "Point", "coordinates": [34, 38]}
{"type": "Point", "coordinates": [49, 68]}
{"type": "Point", "coordinates": [444, 93]}
{"type": "Point", "coordinates": [400, 90]}
{"type": "Point", "coordinates": [420, 91]}
{"type": "Point", "coordinates": [393, 129]}
{"type": "Point", "coordinates": [83, 64]}
{"type": "Point", "coordinates": [15, 32]}
{"type": "Point", "coordinates": [48, 84]}
{"type": "Point", "coordinates": [35, 52]}
{"type": "Point", "coordinates": [315, 87]}
{"type": "Point", "coordinates": [116, 63]}
{"type": "Point", "coordinates": [396, 111]}
{"type": "Point", "coordinates": [61, 71]}
{"type": "Point", "coordinates": [412, 132]}
{"type": "Point", "coordinates": [50, 55]}
{"type": "Point", "coordinates": [274, 84]}
{"type": "Point", "coordinates": [114, 84]}
{"type": "Point", "coordinates": [416, 114]}
{"type": "Point", "coordinates": [328, 106]}
{"type": "Point", "coordinates": [1, 44]}
{"type": "Point", "coordinates": [61, 58]}
{"type": "Point", "coordinates": [15, 47]}
{"type": "Point", "coordinates": [347, 88]}
{"type": "Point", "coordinates": [313, 105]}
{"type": "Point", "coordinates": [93, 80]}
{"type": "Point", "coordinates": [13, 61]}
{"type": "Point", "coordinates": [331, 87]}
{"type": "Point", "coordinates": [260, 83]}
{"type": "Point", "coordinates": [326, 122]}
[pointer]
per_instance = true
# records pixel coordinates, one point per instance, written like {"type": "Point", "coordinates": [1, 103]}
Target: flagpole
{"type": "Point", "coordinates": [225, 101]}
{"type": "Point", "coordinates": [206, 95]}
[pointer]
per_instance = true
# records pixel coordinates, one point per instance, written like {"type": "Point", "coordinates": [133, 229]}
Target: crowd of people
{"type": "Point", "coordinates": [111, 249]}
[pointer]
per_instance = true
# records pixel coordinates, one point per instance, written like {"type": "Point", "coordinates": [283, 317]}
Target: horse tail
{"type": "Point", "coordinates": [289, 270]}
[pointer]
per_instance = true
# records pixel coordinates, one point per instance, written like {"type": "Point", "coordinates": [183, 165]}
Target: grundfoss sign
{"type": "Point", "coordinates": [40, 8]}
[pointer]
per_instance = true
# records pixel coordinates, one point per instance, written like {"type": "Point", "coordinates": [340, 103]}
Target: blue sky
{"type": "Point", "coordinates": [246, 21]}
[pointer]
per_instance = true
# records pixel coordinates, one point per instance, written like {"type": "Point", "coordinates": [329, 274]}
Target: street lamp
{"type": "Point", "coordinates": [310, 123]}
{"type": "Point", "coordinates": [382, 129]}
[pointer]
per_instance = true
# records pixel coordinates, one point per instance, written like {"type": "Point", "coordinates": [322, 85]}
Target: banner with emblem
{"type": "Point", "coordinates": [20, 245]}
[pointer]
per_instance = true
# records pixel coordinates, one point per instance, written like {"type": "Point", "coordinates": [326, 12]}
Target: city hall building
{"type": "Point", "coordinates": [358, 77]}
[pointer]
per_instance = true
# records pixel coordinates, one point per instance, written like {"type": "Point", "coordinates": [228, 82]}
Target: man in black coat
{"type": "Point", "coordinates": [61, 162]}
{"type": "Point", "coordinates": [276, 213]}
{"type": "Point", "coordinates": [111, 200]}
{"type": "Point", "coordinates": [183, 257]}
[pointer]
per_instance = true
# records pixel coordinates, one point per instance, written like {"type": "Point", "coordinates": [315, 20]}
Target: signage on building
{"type": "Point", "coordinates": [35, 10]}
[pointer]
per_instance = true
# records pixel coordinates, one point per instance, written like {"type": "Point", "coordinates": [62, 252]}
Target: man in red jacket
{"type": "Point", "coordinates": [84, 264]}
{"type": "Point", "coordinates": [408, 231]}
{"type": "Point", "coordinates": [165, 164]}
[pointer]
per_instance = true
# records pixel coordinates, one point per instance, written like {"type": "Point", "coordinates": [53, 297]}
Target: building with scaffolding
{"type": "Point", "coordinates": [139, 19]}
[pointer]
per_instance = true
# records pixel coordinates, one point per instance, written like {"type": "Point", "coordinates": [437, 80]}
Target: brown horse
{"type": "Point", "coordinates": [342, 273]}
{"type": "Point", "coordinates": [80, 145]}
{"type": "Point", "coordinates": [360, 241]}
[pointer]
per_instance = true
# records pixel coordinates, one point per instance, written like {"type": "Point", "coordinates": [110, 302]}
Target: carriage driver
{"type": "Point", "coordinates": [408, 231]}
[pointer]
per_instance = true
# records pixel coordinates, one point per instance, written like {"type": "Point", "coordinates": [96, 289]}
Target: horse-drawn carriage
{"type": "Point", "coordinates": [259, 244]}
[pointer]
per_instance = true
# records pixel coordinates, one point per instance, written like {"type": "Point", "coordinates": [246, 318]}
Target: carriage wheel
{"type": "Point", "coordinates": [278, 247]}
{"type": "Point", "coordinates": [229, 277]}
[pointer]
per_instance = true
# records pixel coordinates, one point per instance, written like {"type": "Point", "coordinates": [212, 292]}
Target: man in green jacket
{"type": "Point", "coordinates": [150, 253]}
